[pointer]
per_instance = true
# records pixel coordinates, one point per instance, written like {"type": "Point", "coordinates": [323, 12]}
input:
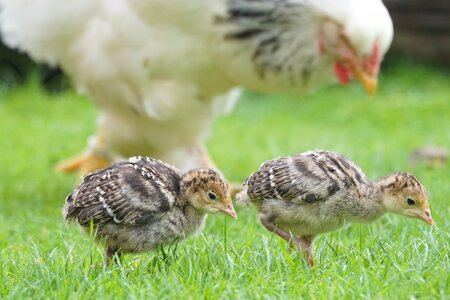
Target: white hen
{"type": "Point", "coordinates": [156, 68]}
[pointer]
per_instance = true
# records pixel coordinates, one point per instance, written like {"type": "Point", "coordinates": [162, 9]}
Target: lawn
{"type": "Point", "coordinates": [393, 258]}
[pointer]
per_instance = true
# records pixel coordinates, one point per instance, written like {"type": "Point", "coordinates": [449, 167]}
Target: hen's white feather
{"type": "Point", "coordinates": [160, 70]}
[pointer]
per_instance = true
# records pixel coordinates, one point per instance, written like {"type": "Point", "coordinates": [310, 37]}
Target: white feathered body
{"type": "Point", "coordinates": [161, 71]}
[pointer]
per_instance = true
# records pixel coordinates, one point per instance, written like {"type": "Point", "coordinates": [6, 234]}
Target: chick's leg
{"type": "Point", "coordinates": [305, 244]}
{"type": "Point", "coordinates": [280, 232]}
{"type": "Point", "coordinates": [112, 255]}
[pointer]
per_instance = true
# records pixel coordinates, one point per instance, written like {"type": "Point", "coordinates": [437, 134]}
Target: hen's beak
{"type": "Point", "coordinates": [426, 216]}
{"type": "Point", "coordinates": [370, 83]}
{"type": "Point", "coordinates": [361, 68]}
{"type": "Point", "coordinates": [229, 210]}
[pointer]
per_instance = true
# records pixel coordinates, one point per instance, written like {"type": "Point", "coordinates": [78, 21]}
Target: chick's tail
{"type": "Point", "coordinates": [242, 198]}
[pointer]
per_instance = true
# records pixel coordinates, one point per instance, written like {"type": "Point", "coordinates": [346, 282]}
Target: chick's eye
{"type": "Point", "coordinates": [410, 201]}
{"type": "Point", "coordinates": [212, 196]}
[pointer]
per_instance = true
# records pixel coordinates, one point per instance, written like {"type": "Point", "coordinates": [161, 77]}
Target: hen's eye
{"type": "Point", "coordinates": [212, 196]}
{"type": "Point", "coordinates": [410, 201]}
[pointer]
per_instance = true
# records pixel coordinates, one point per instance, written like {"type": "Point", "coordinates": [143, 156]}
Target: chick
{"type": "Point", "coordinates": [301, 196]}
{"type": "Point", "coordinates": [142, 203]}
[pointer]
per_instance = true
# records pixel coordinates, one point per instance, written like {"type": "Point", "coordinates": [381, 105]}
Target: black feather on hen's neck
{"type": "Point", "coordinates": [272, 26]}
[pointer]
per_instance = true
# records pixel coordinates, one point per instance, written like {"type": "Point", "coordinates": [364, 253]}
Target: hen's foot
{"type": "Point", "coordinates": [83, 163]}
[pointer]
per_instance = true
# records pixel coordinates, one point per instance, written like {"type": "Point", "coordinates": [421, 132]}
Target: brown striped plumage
{"type": "Point", "coordinates": [320, 191]}
{"type": "Point", "coordinates": [142, 203]}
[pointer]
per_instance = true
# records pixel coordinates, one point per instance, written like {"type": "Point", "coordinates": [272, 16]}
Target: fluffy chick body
{"type": "Point", "coordinates": [142, 203]}
{"type": "Point", "coordinates": [311, 193]}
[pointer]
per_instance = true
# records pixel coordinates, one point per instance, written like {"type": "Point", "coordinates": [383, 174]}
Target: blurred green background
{"type": "Point", "coordinates": [42, 120]}
{"type": "Point", "coordinates": [40, 257]}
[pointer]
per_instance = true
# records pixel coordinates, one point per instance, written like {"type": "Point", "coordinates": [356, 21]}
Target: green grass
{"type": "Point", "coordinates": [393, 258]}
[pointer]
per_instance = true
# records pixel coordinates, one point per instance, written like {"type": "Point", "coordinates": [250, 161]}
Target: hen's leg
{"type": "Point", "coordinates": [88, 161]}
{"type": "Point", "coordinates": [83, 163]}
{"type": "Point", "coordinates": [207, 162]}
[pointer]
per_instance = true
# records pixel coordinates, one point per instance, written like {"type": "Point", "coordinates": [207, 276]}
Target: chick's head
{"type": "Point", "coordinates": [207, 191]}
{"type": "Point", "coordinates": [407, 196]}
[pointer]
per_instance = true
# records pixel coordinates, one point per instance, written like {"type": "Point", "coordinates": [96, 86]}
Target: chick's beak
{"type": "Point", "coordinates": [229, 210]}
{"type": "Point", "coordinates": [426, 216]}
